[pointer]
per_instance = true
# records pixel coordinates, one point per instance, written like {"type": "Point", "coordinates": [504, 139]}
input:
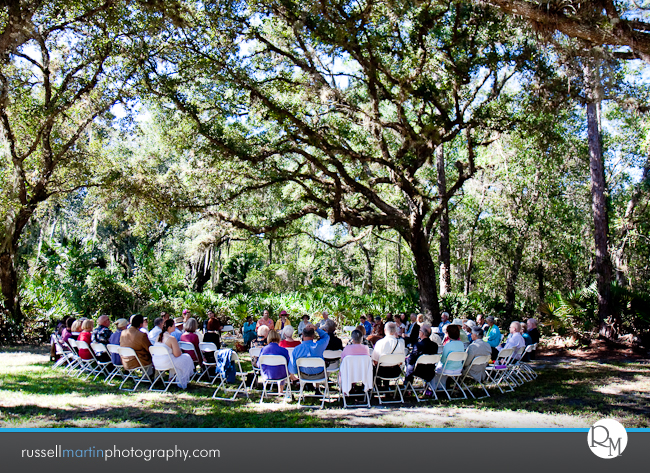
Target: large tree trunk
{"type": "Point", "coordinates": [426, 273]}
{"type": "Point", "coordinates": [513, 275]}
{"type": "Point", "coordinates": [9, 282]}
{"type": "Point", "coordinates": [445, 254]}
{"type": "Point", "coordinates": [599, 205]}
{"type": "Point", "coordinates": [367, 279]}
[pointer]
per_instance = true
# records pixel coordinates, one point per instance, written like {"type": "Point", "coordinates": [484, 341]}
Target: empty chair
{"type": "Point", "coordinates": [208, 351]}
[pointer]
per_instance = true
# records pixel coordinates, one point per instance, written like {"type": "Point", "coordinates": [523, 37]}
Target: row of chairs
{"type": "Point", "coordinates": [506, 373]}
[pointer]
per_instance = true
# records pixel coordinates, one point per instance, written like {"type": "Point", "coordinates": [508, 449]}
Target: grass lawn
{"type": "Point", "coordinates": [566, 394]}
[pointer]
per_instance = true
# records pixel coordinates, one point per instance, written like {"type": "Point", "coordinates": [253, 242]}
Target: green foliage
{"type": "Point", "coordinates": [104, 295]}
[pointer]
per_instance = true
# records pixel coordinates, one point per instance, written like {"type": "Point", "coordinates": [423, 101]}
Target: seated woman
{"type": "Point", "coordinates": [248, 331]}
{"type": "Point", "coordinates": [377, 331]}
{"type": "Point", "coordinates": [190, 336]}
{"type": "Point", "coordinates": [213, 330]}
{"type": "Point", "coordinates": [364, 341]}
{"type": "Point", "coordinates": [273, 348]}
{"type": "Point", "coordinates": [182, 361]}
{"type": "Point", "coordinates": [76, 329]}
{"type": "Point", "coordinates": [262, 334]}
{"type": "Point", "coordinates": [67, 331]}
{"type": "Point", "coordinates": [287, 338]}
{"type": "Point", "coordinates": [453, 345]}
{"type": "Point", "coordinates": [86, 336]}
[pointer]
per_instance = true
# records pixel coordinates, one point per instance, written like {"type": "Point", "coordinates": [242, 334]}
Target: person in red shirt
{"type": "Point", "coordinates": [190, 336]}
{"type": "Point", "coordinates": [287, 338]}
{"type": "Point", "coordinates": [86, 336]}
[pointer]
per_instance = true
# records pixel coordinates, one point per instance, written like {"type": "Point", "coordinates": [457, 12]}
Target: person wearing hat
{"type": "Point", "coordinates": [178, 324]}
{"type": "Point", "coordinates": [303, 323]}
{"type": "Point", "coordinates": [265, 320]}
{"type": "Point", "coordinates": [120, 324]}
{"type": "Point", "coordinates": [463, 335]}
{"type": "Point", "coordinates": [282, 321]}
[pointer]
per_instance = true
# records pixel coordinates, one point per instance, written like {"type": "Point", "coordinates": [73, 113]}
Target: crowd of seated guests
{"type": "Point", "coordinates": [412, 338]}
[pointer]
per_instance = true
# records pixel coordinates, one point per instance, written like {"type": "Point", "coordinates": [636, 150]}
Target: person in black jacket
{"type": "Point", "coordinates": [424, 346]}
{"type": "Point", "coordinates": [412, 331]}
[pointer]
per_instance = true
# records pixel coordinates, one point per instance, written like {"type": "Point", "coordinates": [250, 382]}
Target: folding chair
{"type": "Point", "coordinates": [477, 361]}
{"type": "Point", "coordinates": [349, 329]}
{"type": "Point", "coordinates": [255, 353]}
{"type": "Point", "coordinates": [234, 358]}
{"type": "Point", "coordinates": [312, 363]}
{"type": "Point", "coordinates": [66, 354]}
{"type": "Point", "coordinates": [208, 350]}
{"type": "Point", "coordinates": [102, 366]}
{"type": "Point", "coordinates": [423, 360]}
{"type": "Point", "coordinates": [498, 372]}
{"type": "Point", "coordinates": [361, 365]}
{"type": "Point", "coordinates": [76, 362]}
{"type": "Point", "coordinates": [117, 368]}
{"type": "Point", "coordinates": [171, 376]}
{"type": "Point", "coordinates": [458, 356]}
{"type": "Point", "coordinates": [227, 328]}
{"type": "Point", "coordinates": [274, 360]}
{"type": "Point", "coordinates": [524, 367]}
{"type": "Point", "coordinates": [86, 364]}
{"type": "Point", "coordinates": [126, 352]}
{"type": "Point", "coordinates": [333, 357]}
{"type": "Point", "coordinates": [515, 371]}
{"type": "Point", "coordinates": [189, 348]}
{"type": "Point", "coordinates": [388, 361]}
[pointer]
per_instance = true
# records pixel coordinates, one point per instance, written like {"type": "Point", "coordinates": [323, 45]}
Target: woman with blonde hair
{"type": "Point", "coordinates": [86, 336]}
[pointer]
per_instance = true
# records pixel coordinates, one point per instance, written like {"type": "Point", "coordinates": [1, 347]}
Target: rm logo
{"type": "Point", "coordinates": [607, 438]}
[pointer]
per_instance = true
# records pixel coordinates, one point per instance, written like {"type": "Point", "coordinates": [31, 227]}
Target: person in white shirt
{"type": "Point", "coordinates": [515, 340]}
{"type": "Point", "coordinates": [156, 330]}
{"type": "Point", "coordinates": [389, 345]}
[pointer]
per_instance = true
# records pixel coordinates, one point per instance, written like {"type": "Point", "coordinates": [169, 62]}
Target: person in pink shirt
{"type": "Point", "coordinates": [356, 348]}
{"type": "Point", "coordinates": [265, 320]}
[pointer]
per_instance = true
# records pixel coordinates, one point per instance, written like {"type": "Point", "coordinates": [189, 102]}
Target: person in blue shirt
{"type": "Point", "coordinates": [444, 317]}
{"type": "Point", "coordinates": [367, 325]}
{"type": "Point", "coordinates": [309, 348]}
{"type": "Point", "coordinates": [492, 336]}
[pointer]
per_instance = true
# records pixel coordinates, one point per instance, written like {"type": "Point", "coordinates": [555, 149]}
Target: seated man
{"type": "Point", "coordinates": [309, 348]}
{"type": "Point", "coordinates": [102, 334]}
{"type": "Point", "coordinates": [478, 347]}
{"type": "Point", "coordinates": [132, 337]}
{"type": "Point", "coordinates": [412, 331]}
{"type": "Point", "coordinates": [156, 330]}
{"type": "Point", "coordinates": [515, 340]}
{"type": "Point", "coordinates": [366, 325]}
{"type": "Point", "coordinates": [389, 345]}
{"type": "Point", "coordinates": [424, 346]}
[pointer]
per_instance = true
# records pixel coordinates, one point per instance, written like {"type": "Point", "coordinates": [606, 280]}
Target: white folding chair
{"type": "Point", "coordinates": [87, 364]}
{"type": "Point", "coordinates": [362, 366]}
{"type": "Point", "coordinates": [171, 376]}
{"type": "Point", "coordinates": [389, 361]}
{"type": "Point", "coordinates": [332, 360]}
{"type": "Point", "coordinates": [240, 373]}
{"type": "Point", "coordinates": [324, 379]}
{"type": "Point", "coordinates": [498, 372]}
{"type": "Point", "coordinates": [208, 350]}
{"type": "Point", "coordinates": [227, 328]}
{"type": "Point", "coordinates": [127, 352]}
{"type": "Point", "coordinates": [189, 348]}
{"type": "Point", "coordinates": [66, 354]}
{"type": "Point", "coordinates": [274, 360]}
{"type": "Point", "coordinates": [456, 356]}
{"type": "Point", "coordinates": [349, 329]}
{"type": "Point", "coordinates": [76, 362]}
{"type": "Point", "coordinates": [515, 371]}
{"type": "Point", "coordinates": [102, 366]}
{"type": "Point", "coordinates": [423, 360]}
{"type": "Point", "coordinates": [117, 368]}
{"type": "Point", "coordinates": [476, 362]}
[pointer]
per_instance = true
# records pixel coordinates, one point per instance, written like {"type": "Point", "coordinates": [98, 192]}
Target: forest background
{"type": "Point", "coordinates": [355, 157]}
